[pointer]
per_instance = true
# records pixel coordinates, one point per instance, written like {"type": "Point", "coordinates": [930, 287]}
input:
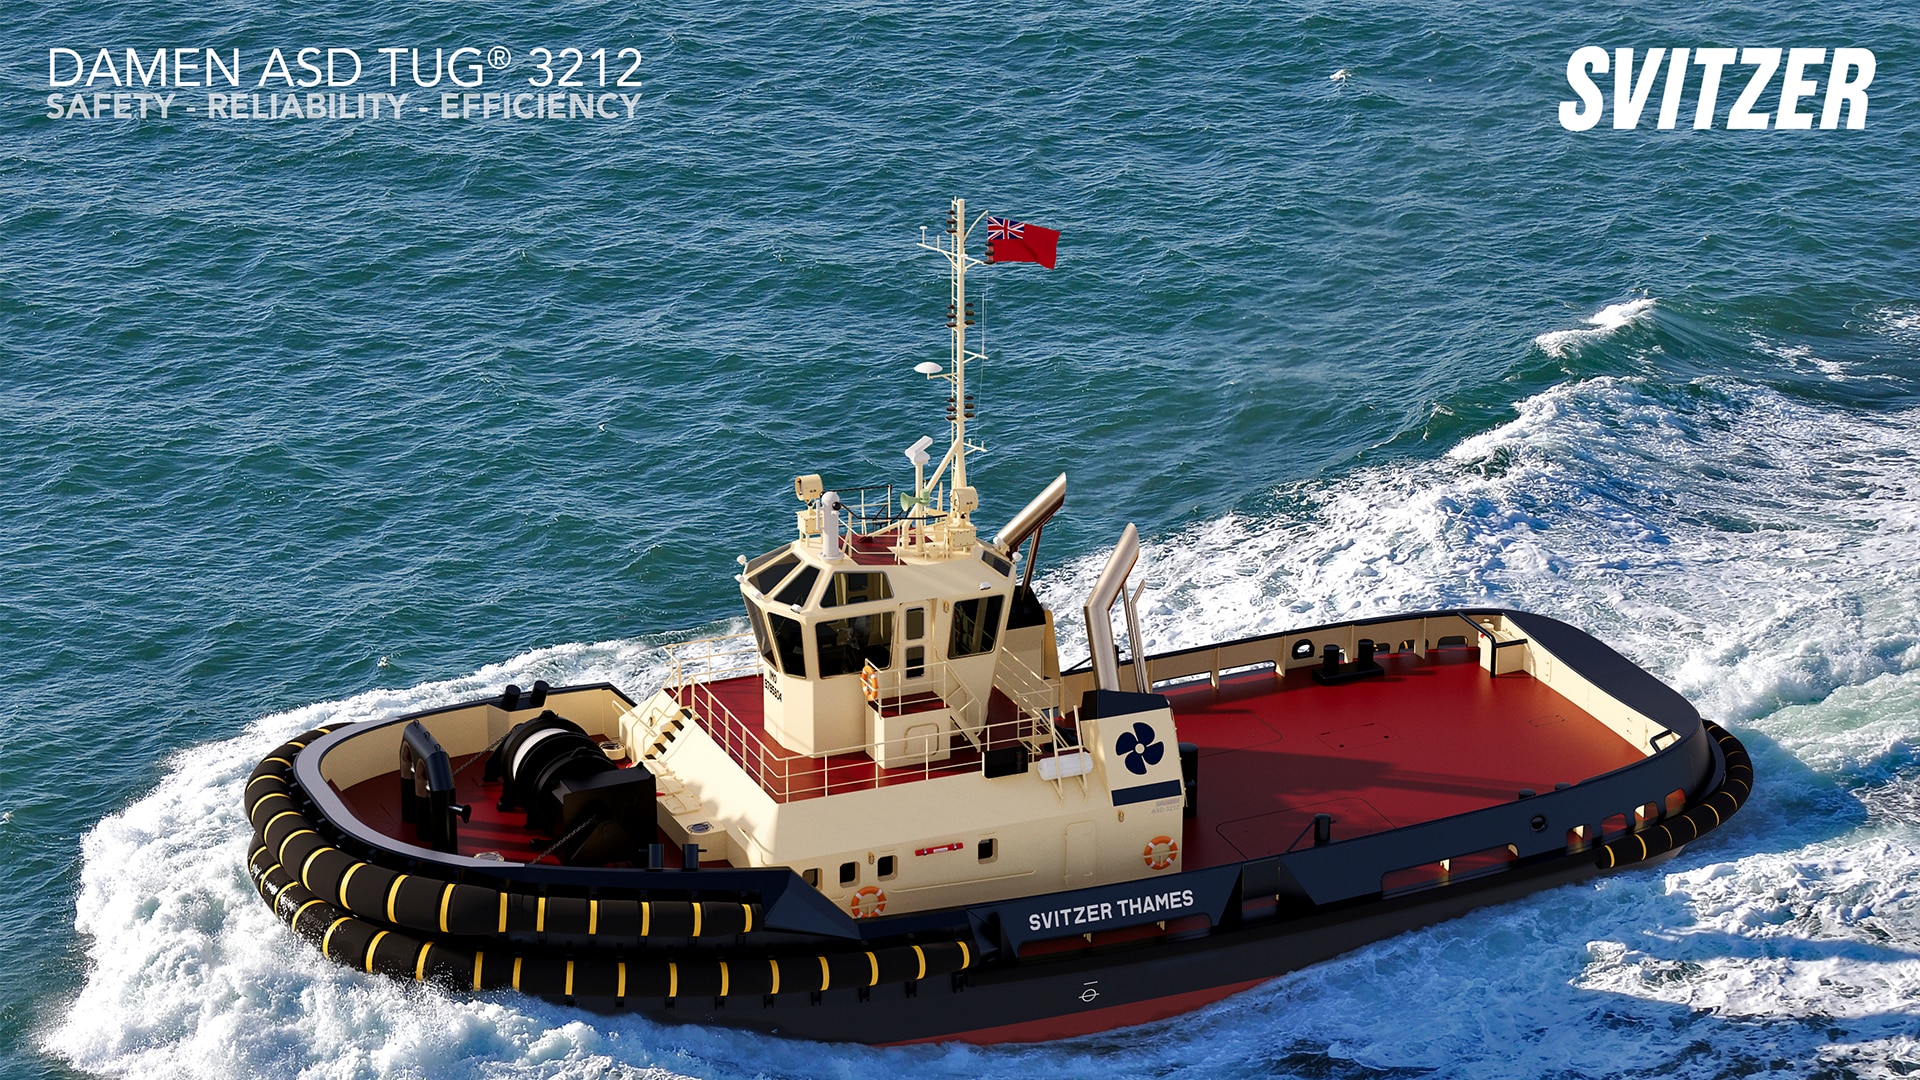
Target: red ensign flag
{"type": "Point", "coordinates": [1017, 241]}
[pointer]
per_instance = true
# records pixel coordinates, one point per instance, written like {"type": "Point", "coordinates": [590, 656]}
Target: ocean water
{"type": "Point", "coordinates": [317, 420]}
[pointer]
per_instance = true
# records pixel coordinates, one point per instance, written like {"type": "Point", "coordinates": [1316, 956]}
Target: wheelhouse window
{"type": "Point", "coordinates": [993, 559]}
{"type": "Point", "coordinates": [765, 575]}
{"type": "Point", "coordinates": [976, 626]}
{"type": "Point", "coordinates": [797, 590]}
{"type": "Point", "coordinates": [760, 636]}
{"type": "Point", "coordinates": [847, 645]}
{"type": "Point", "coordinates": [856, 589]}
{"type": "Point", "coordinates": [789, 644]}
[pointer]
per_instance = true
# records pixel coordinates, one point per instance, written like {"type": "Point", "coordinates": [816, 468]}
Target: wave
{"type": "Point", "coordinates": [1603, 323]}
{"type": "Point", "coordinates": [1753, 548]}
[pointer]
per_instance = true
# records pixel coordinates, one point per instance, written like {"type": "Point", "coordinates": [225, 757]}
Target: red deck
{"type": "Point", "coordinates": [1434, 737]}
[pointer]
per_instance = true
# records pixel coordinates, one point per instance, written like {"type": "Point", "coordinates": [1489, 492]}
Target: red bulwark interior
{"type": "Point", "coordinates": [376, 803]}
{"type": "Point", "coordinates": [1432, 738]}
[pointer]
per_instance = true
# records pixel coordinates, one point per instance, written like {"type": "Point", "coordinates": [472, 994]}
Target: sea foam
{"type": "Point", "coordinates": [1601, 324]}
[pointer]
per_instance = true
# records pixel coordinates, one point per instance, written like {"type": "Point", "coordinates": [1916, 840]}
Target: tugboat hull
{"type": "Point", "coordinates": [759, 948]}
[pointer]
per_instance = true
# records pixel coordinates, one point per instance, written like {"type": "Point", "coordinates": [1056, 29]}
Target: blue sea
{"type": "Point", "coordinates": [306, 420]}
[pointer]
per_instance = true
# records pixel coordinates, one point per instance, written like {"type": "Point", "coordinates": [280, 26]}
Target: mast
{"type": "Point", "coordinates": [957, 320]}
{"type": "Point", "coordinates": [959, 317]}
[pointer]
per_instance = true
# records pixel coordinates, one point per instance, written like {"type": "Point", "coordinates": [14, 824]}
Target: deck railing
{"type": "Point", "coordinates": [694, 666]}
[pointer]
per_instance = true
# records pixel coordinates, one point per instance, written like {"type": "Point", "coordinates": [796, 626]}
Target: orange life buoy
{"type": "Point", "coordinates": [870, 683]}
{"type": "Point", "coordinates": [1161, 853]}
{"type": "Point", "coordinates": [868, 902]}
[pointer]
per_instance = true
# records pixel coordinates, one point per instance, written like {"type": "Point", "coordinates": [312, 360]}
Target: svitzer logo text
{"type": "Point", "coordinates": [1809, 89]}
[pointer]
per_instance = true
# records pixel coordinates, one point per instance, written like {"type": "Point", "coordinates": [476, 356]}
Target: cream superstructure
{"type": "Point", "coordinates": [915, 745]}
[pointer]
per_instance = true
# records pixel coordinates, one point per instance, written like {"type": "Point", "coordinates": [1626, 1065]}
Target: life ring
{"type": "Point", "coordinates": [1161, 853]}
{"type": "Point", "coordinates": [870, 683]}
{"type": "Point", "coordinates": [868, 902]}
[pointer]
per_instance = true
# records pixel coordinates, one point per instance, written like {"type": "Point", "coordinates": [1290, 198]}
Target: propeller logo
{"type": "Point", "coordinates": [1140, 749]}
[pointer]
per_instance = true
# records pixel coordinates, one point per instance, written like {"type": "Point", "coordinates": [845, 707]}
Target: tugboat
{"type": "Point", "coordinates": [887, 814]}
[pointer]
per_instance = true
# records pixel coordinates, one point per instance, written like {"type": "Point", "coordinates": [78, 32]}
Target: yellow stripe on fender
{"type": "Point", "coordinates": [874, 963]}
{"type": "Point", "coordinates": [374, 946]}
{"type": "Point", "coordinates": [282, 853]}
{"type": "Point", "coordinates": [274, 818]}
{"type": "Point", "coordinates": [723, 978]}
{"type": "Point", "coordinates": [966, 955]}
{"type": "Point", "coordinates": [446, 895]}
{"type": "Point", "coordinates": [696, 918]}
{"type": "Point", "coordinates": [301, 910]}
{"type": "Point", "coordinates": [479, 962]}
{"type": "Point", "coordinates": [646, 916]}
{"type": "Point", "coordinates": [540, 920]}
{"type": "Point", "coordinates": [922, 957]}
{"type": "Point", "coordinates": [503, 911]}
{"type": "Point", "coordinates": [569, 978]}
{"type": "Point", "coordinates": [620, 990]}
{"type": "Point", "coordinates": [748, 909]}
{"type": "Point", "coordinates": [776, 975]}
{"type": "Point", "coordinates": [516, 973]}
{"type": "Point", "coordinates": [420, 963]}
{"type": "Point", "coordinates": [826, 976]}
{"type": "Point", "coordinates": [393, 891]}
{"type": "Point", "coordinates": [673, 979]}
{"type": "Point", "coordinates": [593, 918]}
{"type": "Point", "coordinates": [308, 865]}
{"type": "Point", "coordinates": [326, 941]}
{"type": "Point", "coordinates": [346, 877]}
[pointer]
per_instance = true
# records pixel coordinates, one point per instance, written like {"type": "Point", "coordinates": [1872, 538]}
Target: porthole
{"type": "Point", "coordinates": [1303, 649]}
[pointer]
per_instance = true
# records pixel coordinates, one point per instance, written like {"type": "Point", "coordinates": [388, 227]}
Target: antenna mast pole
{"type": "Point", "coordinates": [959, 325]}
{"type": "Point", "coordinates": [954, 250]}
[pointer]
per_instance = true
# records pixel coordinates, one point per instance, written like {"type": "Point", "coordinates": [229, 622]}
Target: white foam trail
{"type": "Point", "coordinates": [1558, 343]}
{"type": "Point", "coordinates": [1754, 549]}
{"type": "Point", "coordinates": [1901, 326]}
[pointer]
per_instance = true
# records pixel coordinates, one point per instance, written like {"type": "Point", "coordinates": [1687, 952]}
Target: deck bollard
{"type": "Point", "coordinates": [1322, 827]}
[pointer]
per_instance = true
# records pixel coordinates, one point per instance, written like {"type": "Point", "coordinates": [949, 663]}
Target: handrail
{"type": "Point", "coordinates": [694, 665]}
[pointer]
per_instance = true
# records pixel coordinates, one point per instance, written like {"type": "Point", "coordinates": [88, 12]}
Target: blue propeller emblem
{"type": "Point", "coordinates": [1140, 749]}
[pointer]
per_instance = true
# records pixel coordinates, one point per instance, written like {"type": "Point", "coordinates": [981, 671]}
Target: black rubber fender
{"type": "Point", "coordinates": [1697, 820]}
{"type": "Point", "coordinates": [554, 974]}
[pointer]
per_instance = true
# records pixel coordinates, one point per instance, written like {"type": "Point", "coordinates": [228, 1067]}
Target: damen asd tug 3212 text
{"type": "Point", "coordinates": [887, 815]}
